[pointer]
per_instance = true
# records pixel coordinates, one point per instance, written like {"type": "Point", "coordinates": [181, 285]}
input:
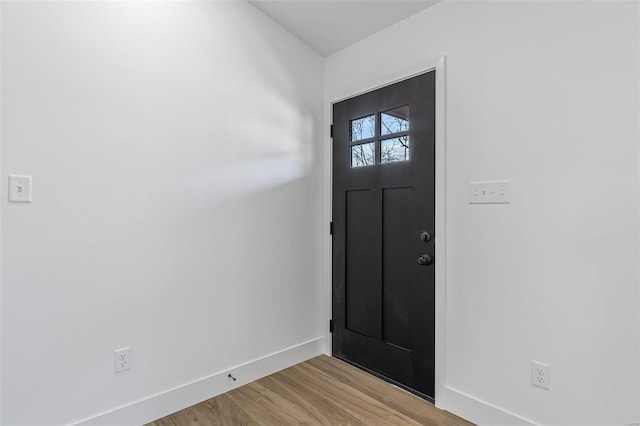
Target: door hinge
{"type": "Point", "coordinates": [331, 229]}
{"type": "Point", "coordinates": [331, 130]}
{"type": "Point", "coordinates": [331, 326]}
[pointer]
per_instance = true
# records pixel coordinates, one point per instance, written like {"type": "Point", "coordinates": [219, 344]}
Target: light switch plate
{"type": "Point", "coordinates": [19, 189]}
{"type": "Point", "coordinates": [490, 192]}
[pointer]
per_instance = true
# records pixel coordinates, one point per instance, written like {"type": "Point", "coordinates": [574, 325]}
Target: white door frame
{"type": "Point", "coordinates": [440, 234]}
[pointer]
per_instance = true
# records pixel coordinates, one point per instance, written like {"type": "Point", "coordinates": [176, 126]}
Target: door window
{"type": "Point", "coordinates": [363, 154]}
{"type": "Point", "coordinates": [389, 130]}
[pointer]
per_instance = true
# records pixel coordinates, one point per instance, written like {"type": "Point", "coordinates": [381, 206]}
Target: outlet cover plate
{"type": "Point", "coordinates": [121, 360]}
{"type": "Point", "coordinates": [540, 375]}
{"type": "Point", "coordinates": [490, 192]}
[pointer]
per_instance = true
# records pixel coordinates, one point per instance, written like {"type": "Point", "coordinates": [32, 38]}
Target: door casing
{"type": "Point", "coordinates": [440, 230]}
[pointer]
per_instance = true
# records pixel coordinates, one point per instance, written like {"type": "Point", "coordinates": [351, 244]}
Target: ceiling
{"type": "Point", "coordinates": [331, 25]}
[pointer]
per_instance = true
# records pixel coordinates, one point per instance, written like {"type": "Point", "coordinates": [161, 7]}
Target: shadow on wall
{"type": "Point", "coordinates": [273, 135]}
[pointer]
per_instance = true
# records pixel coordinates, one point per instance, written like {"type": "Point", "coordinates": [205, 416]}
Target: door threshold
{"type": "Point", "coordinates": [419, 394]}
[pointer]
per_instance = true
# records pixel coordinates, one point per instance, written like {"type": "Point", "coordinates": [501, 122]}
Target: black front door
{"type": "Point", "coordinates": [384, 223]}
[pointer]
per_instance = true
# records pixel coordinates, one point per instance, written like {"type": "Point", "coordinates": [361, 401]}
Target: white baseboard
{"type": "Point", "coordinates": [476, 410]}
{"type": "Point", "coordinates": [156, 406]}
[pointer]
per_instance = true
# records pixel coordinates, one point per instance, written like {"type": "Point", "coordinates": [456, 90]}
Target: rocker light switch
{"type": "Point", "coordinates": [19, 189]}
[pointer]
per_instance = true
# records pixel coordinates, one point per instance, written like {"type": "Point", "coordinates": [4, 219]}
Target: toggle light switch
{"type": "Point", "coordinates": [19, 189]}
{"type": "Point", "coordinates": [493, 192]}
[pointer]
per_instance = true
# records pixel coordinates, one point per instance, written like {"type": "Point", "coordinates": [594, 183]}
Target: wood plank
{"type": "Point", "coordinates": [392, 396]}
{"type": "Point", "coordinates": [366, 409]}
{"type": "Point", "coordinates": [165, 421]}
{"type": "Point", "coordinates": [218, 411]}
{"type": "Point", "coordinates": [266, 407]}
{"type": "Point", "coordinates": [320, 409]}
{"type": "Point", "coordinates": [228, 412]}
{"type": "Point", "coordinates": [196, 415]}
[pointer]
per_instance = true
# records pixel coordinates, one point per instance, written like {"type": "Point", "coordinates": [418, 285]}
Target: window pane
{"type": "Point", "coordinates": [363, 128]}
{"type": "Point", "coordinates": [363, 155]}
{"type": "Point", "coordinates": [394, 149]}
{"type": "Point", "coordinates": [395, 120]}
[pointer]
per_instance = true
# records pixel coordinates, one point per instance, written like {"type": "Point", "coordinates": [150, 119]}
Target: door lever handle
{"type": "Point", "coordinates": [425, 259]}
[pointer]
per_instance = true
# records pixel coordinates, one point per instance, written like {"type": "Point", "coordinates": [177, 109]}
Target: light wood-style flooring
{"type": "Point", "coordinates": [321, 391]}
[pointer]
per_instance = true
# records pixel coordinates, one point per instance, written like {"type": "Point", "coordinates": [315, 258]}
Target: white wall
{"type": "Point", "coordinates": [176, 163]}
{"type": "Point", "coordinates": [544, 94]}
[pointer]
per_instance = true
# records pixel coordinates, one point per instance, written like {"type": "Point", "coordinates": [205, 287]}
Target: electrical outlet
{"type": "Point", "coordinates": [121, 360]}
{"type": "Point", "coordinates": [494, 192]}
{"type": "Point", "coordinates": [540, 375]}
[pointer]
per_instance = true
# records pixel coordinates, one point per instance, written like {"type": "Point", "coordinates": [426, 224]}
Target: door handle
{"type": "Point", "coordinates": [425, 259]}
